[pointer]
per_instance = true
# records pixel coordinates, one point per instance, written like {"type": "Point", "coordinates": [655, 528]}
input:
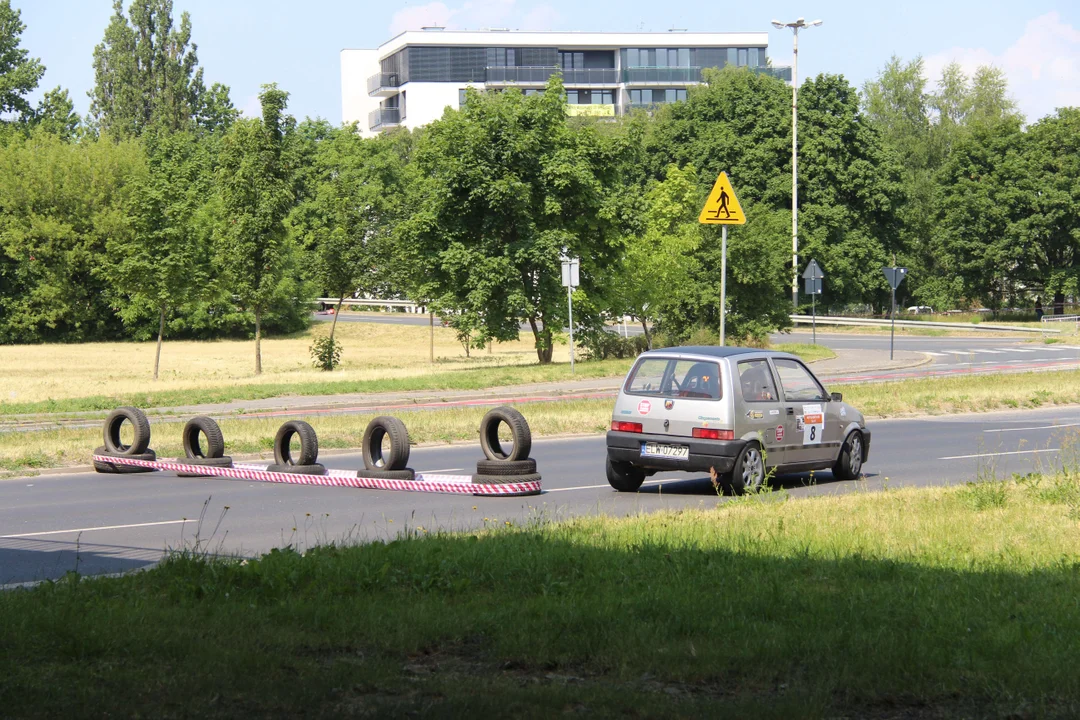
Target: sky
{"type": "Point", "coordinates": [246, 43]}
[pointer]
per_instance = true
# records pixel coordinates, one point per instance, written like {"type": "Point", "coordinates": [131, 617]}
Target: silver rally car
{"type": "Point", "coordinates": [735, 413]}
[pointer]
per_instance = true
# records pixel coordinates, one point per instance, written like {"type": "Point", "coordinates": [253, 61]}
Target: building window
{"type": "Point", "coordinates": [743, 52]}
{"type": "Point", "coordinates": [502, 57]}
{"type": "Point", "coordinates": [732, 56]}
{"type": "Point", "coordinates": [571, 60]}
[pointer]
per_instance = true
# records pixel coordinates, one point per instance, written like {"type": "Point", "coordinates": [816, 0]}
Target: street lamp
{"type": "Point", "coordinates": [795, 28]}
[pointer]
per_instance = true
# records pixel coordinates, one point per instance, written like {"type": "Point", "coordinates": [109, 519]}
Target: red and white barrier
{"type": "Point", "coordinates": [424, 482]}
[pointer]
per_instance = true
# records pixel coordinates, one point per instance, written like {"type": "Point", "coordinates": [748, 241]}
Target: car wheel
{"type": "Point", "coordinates": [623, 476]}
{"type": "Point", "coordinates": [849, 465]}
{"type": "Point", "coordinates": [749, 471]}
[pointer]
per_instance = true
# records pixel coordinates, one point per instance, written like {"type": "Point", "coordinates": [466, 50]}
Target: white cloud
{"type": "Point", "coordinates": [1043, 65]}
{"type": "Point", "coordinates": [251, 107]}
{"type": "Point", "coordinates": [474, 15]}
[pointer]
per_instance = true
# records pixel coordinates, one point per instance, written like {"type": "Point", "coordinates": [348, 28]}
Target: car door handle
{"type": "Point", "coordinates": [791, 411]}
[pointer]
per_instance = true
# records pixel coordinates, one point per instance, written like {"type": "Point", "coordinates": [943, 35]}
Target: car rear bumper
{"type": "Point", "coordinates": [704, 454]}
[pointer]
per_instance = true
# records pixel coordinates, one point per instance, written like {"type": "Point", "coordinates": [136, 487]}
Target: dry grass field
{"type": "Point", "coordinates": [372, 351]}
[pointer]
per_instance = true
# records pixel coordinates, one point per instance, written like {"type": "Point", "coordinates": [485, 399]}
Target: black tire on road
{"type": "Point", "coordinates": [849, 465]}
{"type": "Point", "coordinates": [309, 444]}
{"type": "Point", "coordinates": [504, 479]}
{"type": "Point", "coordinates": [211, 462]}
{"type": "Point", "coordinates": [378, 429]}
{"type": "Point", "coordinates": [519, 429]}
{"type": "Point", "coordinates": [215, 441]}
{"type": "Point", "coordinates": [312, 469]}
{"type": "Point", "coordinates": [623, 476]}
{"type": "Point", "coordinates": [139, 423]}
{"type": "Point", "coordinates": [505, 467]}
{"type": "Point", "coordinates": [380, 474]}
{"type": "Point", "coordinates": [117, 469]}
{"type": "Point", "coordinates": [749, 470]}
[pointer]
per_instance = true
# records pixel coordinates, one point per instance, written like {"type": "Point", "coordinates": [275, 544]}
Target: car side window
{"type": "Point", "coordinates": [757, 381]}
{"type": "Point", "coordinates": [648, 376]}
{"type": "Point", "coordinates": [797, 382]}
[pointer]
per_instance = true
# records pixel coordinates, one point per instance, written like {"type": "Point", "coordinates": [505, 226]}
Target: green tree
{"type": "Point", "coordinates": [146, 72]}
{"type": "Point", "coordinates": [657, 264]}
{"type": "Point", "coordinates": [506, 185]}
{"type": "Point", "coordinates": [162, 262]}
{"type": "Point", "coordinates": [346, 222]}
{"type": "Point", "coordinates": [55, 113]}
{"type": "Point", "coordinates": [19, 73]}
{"type": "Point", "coordinates": [255, 186]}
{"type": "Point", "coordinates": [60, 203]}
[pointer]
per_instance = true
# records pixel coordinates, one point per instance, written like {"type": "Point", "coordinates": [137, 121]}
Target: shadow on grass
{"type": "Point", "coordinates": [608, 619]}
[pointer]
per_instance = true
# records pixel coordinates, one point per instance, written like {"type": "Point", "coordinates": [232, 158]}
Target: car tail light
{"type": "Point", "coordinates": [714, 434]}
{"type": "Point", "coordinates": [622, 426]}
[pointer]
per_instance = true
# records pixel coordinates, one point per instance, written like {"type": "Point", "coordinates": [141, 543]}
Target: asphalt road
{"type": "Point", "coordinates": [109, 523]}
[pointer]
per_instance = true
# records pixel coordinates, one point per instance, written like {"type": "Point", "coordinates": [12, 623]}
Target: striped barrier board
{"type": "Point", "coordinates": [424, 482]}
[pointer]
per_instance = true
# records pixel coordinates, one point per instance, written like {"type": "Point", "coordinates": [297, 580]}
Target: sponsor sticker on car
{"type": "Point", "coordinates": [779, 433]}
{"type": "Point", "coordinates": [813, 424]}
{"type": "Point", "coordinates": [644, 407]}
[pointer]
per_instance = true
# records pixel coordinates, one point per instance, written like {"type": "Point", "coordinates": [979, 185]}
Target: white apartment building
{"type": "Point", "coordinates": [411, 79]}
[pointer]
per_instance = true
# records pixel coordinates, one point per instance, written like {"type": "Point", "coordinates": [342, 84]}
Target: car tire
{"type": "Point", "coordinates": [505, 467]}
{"type": "Point", "coordinates": [381, 474]}
{"type": "Point", "coordinates": [849, 464]}
{"type": "Point", "coordinates": [749, 470]}
{"type": "Point", "coordinates": [117, 469]}
{"type": "Point", "coordinates": [138, 421]}
{"type": "Point", "coordinates": [519, 428]}
{"type": "Point", "coordinates": [309, 444]}
{"type": "Point", "coordinates": [623, 476]}
{"type": "Point", "coordinates": [312, 469]}
{"type": "Point", "coordinates": [214, 462]}
{"type": "Point", "coordinates": [376, 430]}
{"type": "Point", "coordinates": [215, 441]}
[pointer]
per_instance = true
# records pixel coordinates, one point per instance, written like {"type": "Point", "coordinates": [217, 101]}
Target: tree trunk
{"type": "Point", "coordinates": [1059, 303]}
{"type": "Point", "coordinates": [333, 325]}
{"type": "Point", "coordinates": [543, 352]}
{"type": "Point", "coordinates": [258, 341]}
{"type": "Point", "coordinates": [648, 337]}
{"type": "Point", "coordinates": [160, 334]}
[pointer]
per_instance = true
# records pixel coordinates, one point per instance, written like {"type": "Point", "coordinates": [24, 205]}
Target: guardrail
{"type": "Point", "coordinates": [1061, 318]}
{"type": "Point", "coordinates": [870, 322]}
{"type": "Point", "coordinates": [409, 305]}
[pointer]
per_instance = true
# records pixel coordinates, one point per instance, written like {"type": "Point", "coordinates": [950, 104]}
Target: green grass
{"type": "Point", "coordinates": [807, 351]}
{"type": "Point", "coordinates": [897, 604]}
{"type": "Point", "coordinates": [476, 379]}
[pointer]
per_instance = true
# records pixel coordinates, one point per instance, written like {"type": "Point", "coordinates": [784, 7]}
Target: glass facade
{"type": "Point", "coordinates": [590, 97]}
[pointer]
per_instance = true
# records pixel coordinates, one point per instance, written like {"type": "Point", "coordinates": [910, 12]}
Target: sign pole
{"type": "Point", "coordinates": [892, 331]}
{"type": "Point", "coordinates": [723, 280]}
{"type": "Point", "coordinates": [570, 304]}
{"type": "Point", "coordinates": [814, 305]}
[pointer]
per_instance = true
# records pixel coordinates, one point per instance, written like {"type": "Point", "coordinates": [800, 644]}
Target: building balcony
{"type": "Point", "coordinates": [384, 118]}
{"type": "Point", "coordinates": [383, 84]}
{"type": "Point", "coordinates": [661, 75]}
{"type": "Point", "coordinates": [783, 72]}
{"type": "Point", "coordinates": [539, 75]}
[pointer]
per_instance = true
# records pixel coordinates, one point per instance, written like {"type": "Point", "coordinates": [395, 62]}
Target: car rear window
{"type": "Point", "coordinates": [671, 378]}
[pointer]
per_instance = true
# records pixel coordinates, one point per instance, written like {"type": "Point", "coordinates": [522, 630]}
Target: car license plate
{"type": "Point", "coordinates": [655, 449]}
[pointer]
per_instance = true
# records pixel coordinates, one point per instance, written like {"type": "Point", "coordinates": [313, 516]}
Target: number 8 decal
{"type": "Point", "coordinates": [813, 432]}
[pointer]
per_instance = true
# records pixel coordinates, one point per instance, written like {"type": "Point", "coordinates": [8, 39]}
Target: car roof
{"type": "Point", "coordinates": [714, 351]}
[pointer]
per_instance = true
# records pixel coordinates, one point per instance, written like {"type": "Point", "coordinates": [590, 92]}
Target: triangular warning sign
{"type": "Point", "coordinates": [722, 207]}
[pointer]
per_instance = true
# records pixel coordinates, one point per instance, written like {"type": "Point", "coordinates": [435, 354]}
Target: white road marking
{"type": "Point", "coordinates": [935, 354]}
{"type": "Point", "coordinates": [958, 352]}
{"type": "Point", "coordinates": [991, 352]}
{"type": "Point", "coordinates": [443, 470]}
{"type": "Point", "coordinates": [1022, 350]}
{"type": "Point", "coordinates": [91, 529]}
{"type": "Point", "coordinates": [1036, 427]}
{"type": "Point", "coordinates": [1014, 452]}
{"type": "Point", "coordinates": [605, 485]}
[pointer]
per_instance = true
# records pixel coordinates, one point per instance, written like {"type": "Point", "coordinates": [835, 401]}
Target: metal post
{"type": "Point", "coordinates": [813, 300]}
{"type": "Point", "coordinates": [892, 331]}
{"type": "Point", "coordinates": [795, 176]}
{"type": "Point", "coordinates": [570, 304]}
{"type": "Point", "coordinates": [723, 280]}
{"type": "Point", "coordinates": [431, 347]}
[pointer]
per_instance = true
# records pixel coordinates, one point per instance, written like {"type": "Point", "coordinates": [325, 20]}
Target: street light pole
{"type": "Point", "coordinates": [795, 27]}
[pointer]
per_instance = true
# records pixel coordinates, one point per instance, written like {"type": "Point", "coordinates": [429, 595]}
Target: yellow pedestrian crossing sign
{"type": "Point", "coordinates": [722, 207]}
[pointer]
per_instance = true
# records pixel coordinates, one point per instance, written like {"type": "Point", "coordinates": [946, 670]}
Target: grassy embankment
{"type": "Point", "coordinates": [945, 602]}
{"type": "Point", "coordinates": [22, 452]}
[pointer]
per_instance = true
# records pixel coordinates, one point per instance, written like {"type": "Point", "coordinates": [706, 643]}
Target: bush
{"type": "Point", "coordinates": [601, 345]}
{"type": "Point", "coordinates": [326, 352]}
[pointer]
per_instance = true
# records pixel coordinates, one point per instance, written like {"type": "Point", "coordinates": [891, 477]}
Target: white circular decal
{"type": "Point", "coordinates": [644, 407]}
